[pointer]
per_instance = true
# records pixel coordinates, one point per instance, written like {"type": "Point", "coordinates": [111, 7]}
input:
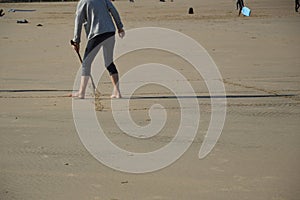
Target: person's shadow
{"type": "Point", "coordinates": [212, 97]}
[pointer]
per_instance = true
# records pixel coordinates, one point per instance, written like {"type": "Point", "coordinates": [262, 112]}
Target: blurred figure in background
{"type": "Point", "coordinates": [297, 5]}
{"type": "Point", "coordinates": [240, 5]}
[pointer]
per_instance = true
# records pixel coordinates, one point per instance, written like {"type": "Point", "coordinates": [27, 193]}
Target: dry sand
{"type": "Point", "coordinates": [256, 157]}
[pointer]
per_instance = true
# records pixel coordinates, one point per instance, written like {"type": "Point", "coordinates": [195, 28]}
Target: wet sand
{"type": "Point", "coordinates": [256, 157]}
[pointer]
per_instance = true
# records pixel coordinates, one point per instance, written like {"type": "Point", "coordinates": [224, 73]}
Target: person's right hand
{"type": "Point", "coordinates": [121, 33]}
{"type": "Point", "coordinates": [76, 46]}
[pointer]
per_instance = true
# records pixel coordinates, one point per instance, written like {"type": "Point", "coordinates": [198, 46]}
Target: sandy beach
{"type": "Point", "coordinates": [256, 156]}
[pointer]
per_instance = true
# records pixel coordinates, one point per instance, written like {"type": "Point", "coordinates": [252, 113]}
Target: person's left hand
{"type": "Point", "coordinates": [121, 33]}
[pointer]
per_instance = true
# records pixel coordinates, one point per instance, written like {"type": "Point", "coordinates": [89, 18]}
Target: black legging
{"type": "Point", "coordinates": [105, 40]}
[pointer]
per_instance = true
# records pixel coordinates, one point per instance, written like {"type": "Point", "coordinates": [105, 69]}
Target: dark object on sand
{"type": "Point", "coordinates": [162, 0]}
{"type": "Point", "coordinates": [239, 6]}
{"type": "Point", "coordinates": [24, 21]}
{"type": "Point", "coordinates": [2, 13]}
{"type": "Point", "coordinates": [191, 11]}
{"type": "Point", "coordinates": [39, 25]}
{"type": "Point", "coordinates": [297, 5]}
{"type": "Point", "coordinates": [20, 10]}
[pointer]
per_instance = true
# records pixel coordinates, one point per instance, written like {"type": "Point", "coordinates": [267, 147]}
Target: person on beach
{"type": "Point", "coordinates": [297, 5]}
{"type": "Point", "coordinates": [97, 16]}
{"type": "Point", "coordinates": [239, 5]}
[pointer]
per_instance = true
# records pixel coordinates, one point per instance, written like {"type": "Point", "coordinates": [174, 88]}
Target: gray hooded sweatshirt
{"type": "Point", "coordinates": [96, 16]}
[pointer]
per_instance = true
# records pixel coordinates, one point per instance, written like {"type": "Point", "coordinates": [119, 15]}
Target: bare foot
{"type": "Point", "coordinates": [116, 96]}
{"type": "Point", "coordinates": [77, 95]}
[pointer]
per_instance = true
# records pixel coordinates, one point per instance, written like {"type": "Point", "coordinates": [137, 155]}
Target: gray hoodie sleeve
{"type": "Point", "coordinates": [114, 14]}
{"type": "Point", "coordinates": [80, 19]}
